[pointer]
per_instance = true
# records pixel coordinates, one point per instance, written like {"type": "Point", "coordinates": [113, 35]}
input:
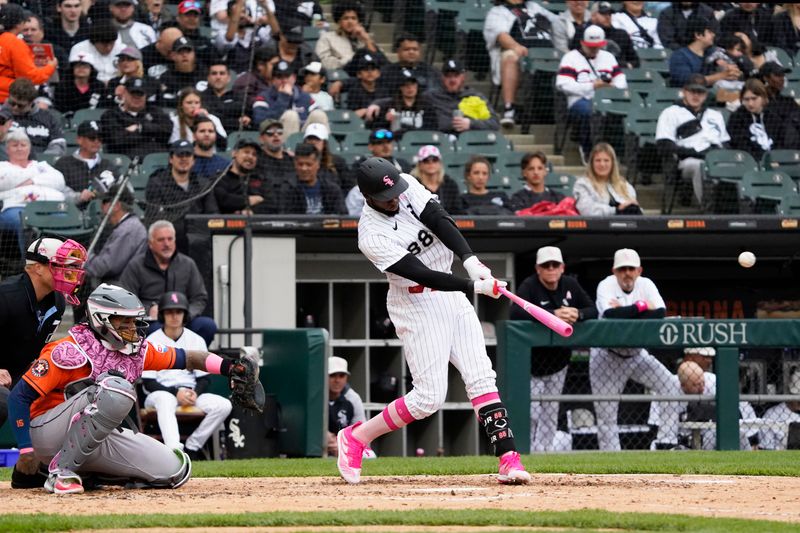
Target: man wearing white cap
{"type": "Point", "coordinates": [580, 73]}
{"type": "Point", "coordinates": [31, 305]}
{"type": "Point", "coordinates": [625, 295]}
{"type": "Point", "coordinates": [344, 404]}
{"type": "Point", "coordinates": [564, 297]}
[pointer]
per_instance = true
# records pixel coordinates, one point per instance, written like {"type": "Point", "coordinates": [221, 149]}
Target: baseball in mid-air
{"type": "Point", "coordinates": [747, 259]}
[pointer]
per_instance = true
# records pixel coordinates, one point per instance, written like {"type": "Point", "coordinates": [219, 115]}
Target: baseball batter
{"type": "Point", "coordinates": [406, 234]}
{"type": "Point", "coordinates": [626, 294]}
{"type": "Point", "coordinates": [69, 405]}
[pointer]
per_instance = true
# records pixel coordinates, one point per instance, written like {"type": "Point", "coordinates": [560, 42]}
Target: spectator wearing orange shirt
{"type": "Point", "coordinates": [16, 58]}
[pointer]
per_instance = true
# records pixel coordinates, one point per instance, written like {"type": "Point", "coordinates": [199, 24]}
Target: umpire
{"type": "Point", "coordinates": [565, 298]}
{"type": "Point", "coordinates": [31, 306]}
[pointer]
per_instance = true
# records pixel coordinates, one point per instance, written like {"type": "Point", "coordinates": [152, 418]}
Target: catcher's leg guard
{"type": "Point", "coordinates": [112, 399]}
{"type": "Point", "coordinates": [175, 480]}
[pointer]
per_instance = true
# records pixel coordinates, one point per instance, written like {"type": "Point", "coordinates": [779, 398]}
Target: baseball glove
{"type": "Point", "coordinates": [246, 389]}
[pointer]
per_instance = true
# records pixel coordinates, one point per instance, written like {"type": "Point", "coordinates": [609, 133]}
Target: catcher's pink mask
{"type": "Point", "coordinates": [66, 266]}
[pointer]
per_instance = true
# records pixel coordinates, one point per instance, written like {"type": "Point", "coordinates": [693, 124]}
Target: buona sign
{"type": "Point", "coordinates": [703, 334]}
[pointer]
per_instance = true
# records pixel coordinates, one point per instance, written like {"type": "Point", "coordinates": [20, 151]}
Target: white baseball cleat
{"type": "Point", "coordinates": [511, 470]}
{"type": "Point", "coordinates": [64, 482]}
{"type": "Point", "coordinates": [351, 451]}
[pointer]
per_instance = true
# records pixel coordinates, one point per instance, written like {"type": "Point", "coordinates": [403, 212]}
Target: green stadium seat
{"type": "Point", "coordinates": [766, 190]}
{"type": "Point", "coordinates": [640, 132]}
{"type": "Point", "coordinates": [122, 162]}
{"type": "Point", "coordinates": [560, 182]}
{"type": "Point", "coordinates": [613, 101]}
{"type": "Point", "coordinates": [293, 140]}
{"type": "Point", "coordinates": [729, 165]}
{"type": "Point", "coordinates": [787, 161]}
{"type": "Point", "coordinates": [542, 60]}
{"type": "Point", "coordinates": [355, 144]}
{"type": "Point", "coordinates": [554, 7]}
{"type": "Point", "coordinates": [487, 143]}
{"type": "Point", "coordinates": [138, 180]}
{"type": "Point", "coordinates": [790, 205]}
{"type": "Point", "coordinates": [343, 121]}
{"type": "Point", "coordinates": [415, 139]}
{"type": "Point", "coordinates": [71, 137]}
{"type": "Point", "coordinates": [665, 96]}
{"type": "Point", "coordinates": [50, 159]}
{"type": "Point", "coordinates": [59, 116]}
{"type": "Point", "coordinates": [62, 218]}
{"type": "Point", "coordinates": [153, 162]}
{"type": "Point", "coordinates": [783, 56]}
{"type": "Point", "coordinates": [82, 115]}
{"type": "Point", "coordinates": [644, 81]}
{"type": "Point", "coordinates": [454, 165]}
{"type": "Point", "coordinates": [311, 35]}
{"type": "Point", "coordinates": [234, 136]}
{"type": "Point", "coordinates": [336, 75]}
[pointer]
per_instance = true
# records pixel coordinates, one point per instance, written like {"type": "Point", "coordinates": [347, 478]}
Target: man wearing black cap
{"type": "Point", "coordinates": [185, 71]}
{"type": "Point", "coordinates": [243, 191]}
{"type": "Point", "coordinates": [85, 164]}
{"type": "Point", "coordinates": [618, 42]}
{"type": "Point", "coordinates": [128, 238]}
{"type": "Point", "coordinates": [362, 91]}
{"type": "Point", "coordinates": [273, 160]}
{"type": "Point", "coordinates": [774, 77]}
{"type": "Point", "coordinates": [687, 131]}
{"type": "Point", "coordinates": [673, 22]}
{"type": "Point", "coordinates": [168, 190]}
{"type": "Point", "coordinates": [409, 58]}
{"type": "Point", "coordinates": [445, 101]}
{"type": "Point", "coordinates": [285, 101]}
{"type": "Point", "coordinates": [292, 48]}
{"type": "Point", "coordinates": [406, 110]}
{"type": "Point", "coordinates": [135, 127]}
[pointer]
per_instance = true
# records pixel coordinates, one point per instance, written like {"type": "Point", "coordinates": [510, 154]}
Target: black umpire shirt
{"type": "Point", "coordinates": [26, 324]}
{"type": "Point", "coordinates": [547, 361]}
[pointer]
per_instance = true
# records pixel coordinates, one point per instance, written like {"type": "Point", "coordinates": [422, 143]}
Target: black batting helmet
{"type": "Point", "coordinates": [379, 179]}
{"type": "Point", "coordinates": [173, 300]}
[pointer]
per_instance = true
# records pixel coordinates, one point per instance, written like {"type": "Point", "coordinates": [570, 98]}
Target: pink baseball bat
{"type": "Point", "coordinates": [548, 319]}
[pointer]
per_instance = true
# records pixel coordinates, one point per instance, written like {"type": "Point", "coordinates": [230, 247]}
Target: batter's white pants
{"type": "Point", "coordinates": [544, 415]}
{"type": "Point", "coordinates": [608, 374]}
{"type": "Point", "coordinates": [438, 328]}
{"type": "Point", "coordinates": [215, 407]}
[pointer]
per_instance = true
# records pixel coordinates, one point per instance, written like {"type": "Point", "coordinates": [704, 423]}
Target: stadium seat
{"type": "Point", "coordinates": [415, 139]}
{"type": "Point", "coordinates": [665, 96]}
{"type": "Point", "coordinates": [787, 161]}
{"type": "Point", "coordinates": [82, 115]}
{"type": "Point", "coordinates": [59, 116]}
{"type": "Point", "coordinates": [469, 41]}
{"type": "Point", "coordinates": [138, 180]}
{"type": "Point", "coordinates": [153, 162]}
{"type": "Point", "coordinates": [354, 145]}
{"type": "Point", "coordinates": [728, 164]}
{"type": "Point", "coordinates": [640, 138]}
{"type": "Point", "coordinates": [487, 143]}
{"type": "Point", "coordinates": [311, 35]}
{"type": "Point", "coordinates": [454, 165]}
{"type": "Point", "coordinates": [554, 7]}
{"type": "Point", "coordinates": [644, 81]}
{"type": "Point", "coordinates": [234, 136]}
{"type": "Point", "coordinates": [654, 59]}
{"type": "Point", "coordinates": [440, 25]}
{"type": "Point", "coordinates": [50, 159]}
{"type": "Point", "coordinates": [783, 56]}
{"type": "Point", "coordinates": [765, 190]}
{"type": "Point", "coordinates": [790, 205]}
{"type": "Point", "coordinates": [62, 218]}
{"type": "Point", "coordinates": [122, 162]}
{"type": "Point", "coordinates": [343, 121]}
{"type": "Point", "coordinates": [71, 136]}
{"type": "Point", "coordinates": [542, 60]}
{"type": "Point", "coordinates": [560, 182]}
{"type": "Point", "coordinates": [337, 75]}
{"type": "Point", "coordinates": [613, 101]}
{"type": "Point", "coordinates": [293, 140]}
{"type": "Point", "coordinates": [792, 89]}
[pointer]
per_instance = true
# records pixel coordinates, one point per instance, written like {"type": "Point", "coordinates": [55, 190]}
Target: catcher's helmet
{"type": "Point", "coordinates": [379, 179]}
{"type": "Point", "coordinates": [173, 300]}
{"type": "Point", "coordinates": [107, 301]}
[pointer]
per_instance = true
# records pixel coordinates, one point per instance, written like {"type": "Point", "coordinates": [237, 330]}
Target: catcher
{"type": "Point", "coordinates": [69, 405]}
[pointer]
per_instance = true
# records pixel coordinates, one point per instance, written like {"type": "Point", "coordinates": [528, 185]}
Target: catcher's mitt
{"type": "Point", "coordinates": [246, 389]}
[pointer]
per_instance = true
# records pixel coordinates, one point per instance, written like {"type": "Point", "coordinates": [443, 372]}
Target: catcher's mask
{"type": "Point", "coordinates": [65, 258]}
{"type": "Point", "coordinates": [116, 315]}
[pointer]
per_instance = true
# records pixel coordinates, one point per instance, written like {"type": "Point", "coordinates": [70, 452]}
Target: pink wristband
{"type": "Point", "coordinates": [641, 305]}
{"type": "Point", "coordinates": [213, 362]}
{"type": "Point", "coordinates": [25, 450]}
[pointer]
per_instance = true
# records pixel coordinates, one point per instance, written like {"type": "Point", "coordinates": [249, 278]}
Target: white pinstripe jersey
{"type": "Point", "coordinates": [385, 240]}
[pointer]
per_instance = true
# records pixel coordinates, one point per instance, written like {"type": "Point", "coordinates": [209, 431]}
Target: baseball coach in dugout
{"type": "Point", "coordinates": [405, 233]}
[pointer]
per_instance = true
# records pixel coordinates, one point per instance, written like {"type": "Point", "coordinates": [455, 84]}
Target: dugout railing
{"type": "Point", "coordinates": [515, 339]}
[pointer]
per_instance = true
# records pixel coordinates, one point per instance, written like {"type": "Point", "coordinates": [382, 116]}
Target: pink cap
{"type": "Point", "coordinates": [427, 151]}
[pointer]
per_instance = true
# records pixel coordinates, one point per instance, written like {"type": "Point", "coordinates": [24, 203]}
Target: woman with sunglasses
{"type": "Point", "coordinates": [407, 110]}
{"type": "Point", "coordinates": [430, 172]}
{"type": "Point", "coordinates": [190, 106]}
{"type": "Point", "coordinates": [479, 200]}
{"type": "Point", "coordinates": [604, 191]}
{"type": "Point", "coordinates": [129, 65]}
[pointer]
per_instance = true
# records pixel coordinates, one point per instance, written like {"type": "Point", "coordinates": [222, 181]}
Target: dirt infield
{"type": "Point", "coordinates": [765, 498]}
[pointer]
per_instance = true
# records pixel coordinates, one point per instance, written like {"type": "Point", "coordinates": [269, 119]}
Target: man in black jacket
{"type": "Point", "coordinates": [313, 194]}
{"type": "Point", "coordinates": [751, 19]}
{"type": "Point", "coordinates": [135, 128]}
{"type": "Point", "coordinates": [85, 164]}
{"type": "Point", "coordinates": [220, 101]}
{"type": "Point", "coordinates": [186, 70]}
{"type": "Point", "coordinates": [673, 23]}
{"type": "Point", "coordinates": [564, 297]}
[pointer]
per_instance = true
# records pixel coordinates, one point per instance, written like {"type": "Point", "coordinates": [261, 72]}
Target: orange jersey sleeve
{"type": "Point", "coordinates": [50, 381]}
{"type": "Point", "coordinates": [159, 357]}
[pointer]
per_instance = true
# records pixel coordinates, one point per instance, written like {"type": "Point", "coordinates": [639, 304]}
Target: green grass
{"type": "Point", "coordinates": [585, 520]}
{"type": "Point", "coordinates": [785, 463]}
